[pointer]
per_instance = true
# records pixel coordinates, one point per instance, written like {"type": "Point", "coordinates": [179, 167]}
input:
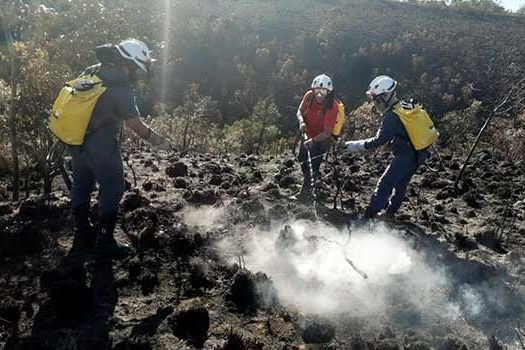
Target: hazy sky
{"type": "Point", "coordinates": [512, 4]}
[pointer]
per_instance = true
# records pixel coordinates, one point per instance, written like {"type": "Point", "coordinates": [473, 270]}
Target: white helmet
{"type": "Point", "coordinates": [136, 51]}
{"type": "Point", "coordinates": [380, 85]}
{"type": "Point", "coordinates": [323, 81]}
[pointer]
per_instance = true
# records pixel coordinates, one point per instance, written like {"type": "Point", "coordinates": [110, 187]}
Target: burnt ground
{"type": "Point", "coordinates": [179, 291]}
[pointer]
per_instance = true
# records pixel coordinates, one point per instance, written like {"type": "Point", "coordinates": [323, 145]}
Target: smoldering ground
{"type": "Point", "coordinates": [318, 269]}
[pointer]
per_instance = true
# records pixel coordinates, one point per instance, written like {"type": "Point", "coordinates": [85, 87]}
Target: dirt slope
{"type": "Point", "coordinates": [194, 219]}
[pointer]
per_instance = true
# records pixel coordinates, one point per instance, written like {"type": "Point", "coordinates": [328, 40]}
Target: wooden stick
{"type": "Point", "coordinates": [480, 133]}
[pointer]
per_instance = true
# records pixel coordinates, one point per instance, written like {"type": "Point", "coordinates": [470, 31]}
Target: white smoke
{"type": "Point", "coordinates": [203, 217]}
{"type": "Point", "coordinates": [313, 274]}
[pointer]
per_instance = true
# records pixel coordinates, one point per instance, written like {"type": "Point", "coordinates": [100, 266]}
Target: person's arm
{"type": "Point", "coordinates": [385, 134]}
{"type": "Point", "coordinates": [128, 111]}
{"type": "Point", "coordinates": [300, 119]}
{"type": "Point", "coordinates": [145, 132]}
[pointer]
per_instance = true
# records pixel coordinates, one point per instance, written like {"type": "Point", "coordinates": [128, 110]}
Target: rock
{"type": "Point", "coordinates": [289, 163]}
{"type": "Point", "coordinates": [317, 331]}
{"type": "Point", "coordinates": [133, 200]}
{"type": "Point", "coordinates": [216, 180]}
{"type": "Point", "coordinates": [471, 200]}
{"type": "Point", "coordinates": [134, 269]}
{"type": "Point", "coordinates": [147, 238]}
{"type": "Point", "coordinates": [178, 169]}
{"type": "Point", "coordinates": [286, 181]}
{"type": "Point", "coordinates": [213, 168]}
{"type": "Point", "coordinates": [203, 197]}
{"type": "Point", "coordinates": [10, 310]}
{"type": "Point", "coordinates": [148, 282]}
{"type": "Point", "coordinates": [451, 343]}
{"type": "Point", "coordinates": [147, 186]}
{"type": "Point", "coordinates": [249, 292]}
{"type": "Point", "coordinates": [34, 208]}
{"type": "Point", "coordinates": [5, 209]}
{"type": "Point", "coordinates": [180, 183]}
{"type": "Point", "coordinates": [191, 322]}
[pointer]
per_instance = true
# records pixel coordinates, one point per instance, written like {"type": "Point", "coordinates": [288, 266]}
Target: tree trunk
{"type": "Point", "coordinates": [12, 126]}
{"type": "Point", "coordinates": [185, 140]}
{"type": "Point", "coordinates": [261, 134]}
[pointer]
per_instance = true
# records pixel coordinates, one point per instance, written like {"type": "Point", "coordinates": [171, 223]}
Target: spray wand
{"type": "Point", "coordinates": [312, 179]}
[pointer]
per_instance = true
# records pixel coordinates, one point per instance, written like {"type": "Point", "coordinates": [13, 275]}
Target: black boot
{"type": "Point", "coordinates": [107, 246]}
{"type": "Point", "coordinates": [83, 240]}
{"type": "Point", "coordinates": [305, 194]}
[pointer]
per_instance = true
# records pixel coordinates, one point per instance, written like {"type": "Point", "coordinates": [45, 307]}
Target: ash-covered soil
{"type": "Point", "coordinates": [224, 260]}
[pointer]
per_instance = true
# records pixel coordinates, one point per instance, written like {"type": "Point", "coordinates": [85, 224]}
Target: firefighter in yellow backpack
{"type": "Point", "coordinates": [408, 129]}
{"type": "Point", "coordinates": [87, 116]}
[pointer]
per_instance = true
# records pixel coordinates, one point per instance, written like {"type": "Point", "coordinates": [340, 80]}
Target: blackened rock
{"type": "Point", "coordinates": [34, 208]}
{"type": "Point", "coordinates": [216, 180]}
{"type": "Point", "coordinates": [286, 181]}
{"type": "Point", "coordinates": [5, 208]}
{"type": "Point", "coordinates": [451, 343]}
{"type": "Point", "coordinates": [248, 292]}
{"type": "Point", "coordinates": [10, 310]}
{"type": "Point", "coordinates": [178, 169]}
{"type": "Point", "coordinates": [191, 322]}
{"type": "Point", "coordinates": [180, 183]}
{"type": "Point", "coordinates": [213, 168]}
{"type": "Point", "coordinates": [147, 238]}
{"type": "Point", "coordinates": [203, 197]}
{"type": "Point", "coordinates": [147, 186]}
{"type": "Point", "coordinates": [289, 163]}
{"type": "Point", "coordinates": [148, 282]}
{"type": "Point", "coordinates": [471, 200]}
{"type": "Point", "coordinates": [317, 331]}
{"type": "Point", "coordinates": [132, 201]}
{"type": "Point", "coordinates": [134, 269]}
{"type": "Point", "coordinates": [256, 176]}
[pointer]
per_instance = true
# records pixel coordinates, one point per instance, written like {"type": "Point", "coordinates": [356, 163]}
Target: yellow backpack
{"type": "Point", "coordinates": [340, 121]}
{"type": "Point", "coordinates": [418, 124]}
{"type": "Point", "coordinates": [73, 108]}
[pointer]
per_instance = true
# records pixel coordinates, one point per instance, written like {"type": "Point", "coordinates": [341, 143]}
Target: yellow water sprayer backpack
{"type": "Point", "coordinates": [341, 118]}
{"type": "Point", "coordinates": [73, 108]}
{"type": "Point", "coordinates": [418, 124]}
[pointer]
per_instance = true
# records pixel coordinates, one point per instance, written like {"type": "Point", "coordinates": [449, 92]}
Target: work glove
{"type": "Point", "coordinates": [302, 127]}
{"type": "Point", "coordinates": [308, 143]}
{"type": "Point", "coordinates": [355, 146]}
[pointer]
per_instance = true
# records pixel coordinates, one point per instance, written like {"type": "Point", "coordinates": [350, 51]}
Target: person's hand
{"type": "Point", "coordinates": [355, 146]}
{"type": "Point", "coordinates": [302, 127]}
{"type": "Point", "coordinates": [308, 143]}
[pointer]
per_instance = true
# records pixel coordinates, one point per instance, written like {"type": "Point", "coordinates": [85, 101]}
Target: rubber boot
{"type": "Point", "coordinates": [107, 246]}
{"type": "Point", "coordinates": [305, 194]}
{"type": "Point", "coordinates": [83, 240]}
{"type": "Point", "coordinates": [386, 216]}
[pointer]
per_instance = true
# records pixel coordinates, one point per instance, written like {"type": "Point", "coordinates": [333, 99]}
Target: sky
{"type": "Point", "coordinates": [512, 4]}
